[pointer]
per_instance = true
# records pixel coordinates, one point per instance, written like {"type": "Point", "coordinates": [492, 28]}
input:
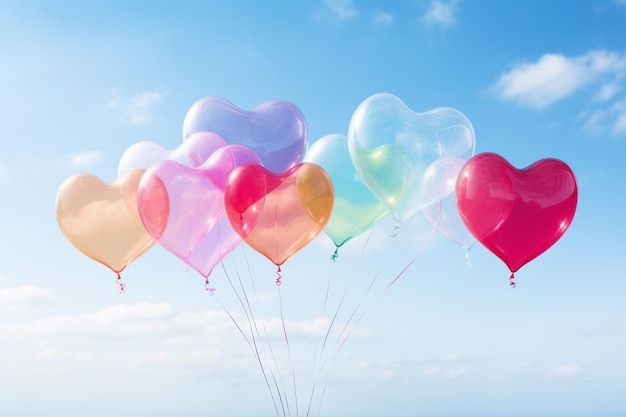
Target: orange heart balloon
{"type": "Point", "coordinates": [102, 220]}
{"type": "Point", "coordinates": [278, 214]}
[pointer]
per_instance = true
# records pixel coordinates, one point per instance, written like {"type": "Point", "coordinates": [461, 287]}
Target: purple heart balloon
{"type": "Point", "coordinates": [275, 130]}
{"type": "Point", "coordinates": [183, 207]}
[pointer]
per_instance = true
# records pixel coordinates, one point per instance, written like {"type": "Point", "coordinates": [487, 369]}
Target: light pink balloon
{"type": "Point", "coordinates": [183, 207]}
{"type": "Point", "coordinates": [192, 152]}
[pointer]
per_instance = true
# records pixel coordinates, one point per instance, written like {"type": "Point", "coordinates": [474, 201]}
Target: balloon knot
{"type": "Point", "coordinates": [207, 286]}
{"type": "Point", "coordinates": [512, 280]}
{"type": "Point", "coordinates": [468, 259]}
{"type": "Point", "coordinates": [119, 282]}
{"type": "Point", "coordinates": [335, 255]}
{"type": "Point", "coordinates": [278, 281]}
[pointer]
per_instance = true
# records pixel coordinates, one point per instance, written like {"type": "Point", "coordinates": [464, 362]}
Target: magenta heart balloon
{"type": "Point", "coordinates": [192, 152]}
{"type": "Point", "coordinates": [516, 213]}
{"type": "Point", "coordinates": [275, 131]}
{"type": "Point", "coordinates": [183, 207]}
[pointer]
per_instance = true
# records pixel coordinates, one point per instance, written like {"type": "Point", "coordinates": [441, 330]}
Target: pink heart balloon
{"type": "Point", "coordinates": [192, 152]}
{"type": "Point", "coordinates": [516, 213]}
{"type": "Point", "coordinates": [183, 207]}
{"type": "Point", "coordinates": [275, 131]}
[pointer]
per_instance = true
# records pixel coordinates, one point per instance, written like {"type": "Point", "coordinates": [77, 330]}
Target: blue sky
{"type": "Point", "coordinates": [82, 82]}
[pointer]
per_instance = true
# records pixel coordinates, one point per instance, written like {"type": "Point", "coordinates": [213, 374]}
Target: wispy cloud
{"type": "Point", "coordinates": [381, 18]}
{"type": "Point", "coordinates": [342, 9]}
{"type": "Point", "coordinates": [24, 298]}
{"type": "Point", "coordinates": [555, 77]}
{"type": "Point", "coordinates": [135, 110]}
{"type": "Point", "coordinates": [567, 371]}
{"type": "Point", "coordinates": [440, 14]}
{"type": "Point", "coordinates": [84, 159]}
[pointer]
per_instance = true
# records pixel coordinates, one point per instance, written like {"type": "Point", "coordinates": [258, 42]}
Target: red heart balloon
{"type": "Point", "coordinates": [516, 213]}
{"type": "Point", "coordinates": [278, 214]}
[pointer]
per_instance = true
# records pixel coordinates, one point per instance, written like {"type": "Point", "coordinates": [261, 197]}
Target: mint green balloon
{"type": "Point", "coordinates": [396, 151]}
{"type": "Point", "coordinates": [355, 208]}
{"type": "Point", "coordinates": [388, 170]}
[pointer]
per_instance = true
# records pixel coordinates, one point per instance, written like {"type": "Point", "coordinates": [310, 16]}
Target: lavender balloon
{"type": "Point", "coordinates": [275, 130]}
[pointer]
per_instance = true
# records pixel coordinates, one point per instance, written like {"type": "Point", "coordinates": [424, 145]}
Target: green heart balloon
{"type": "Point", "coordinates": [355, 208]}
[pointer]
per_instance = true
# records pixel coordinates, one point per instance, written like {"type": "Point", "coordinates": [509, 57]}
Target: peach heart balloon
{"type": "Point", "coordinates": [278, 214]}
{"type": "Point", "coordinates": [102, 220]}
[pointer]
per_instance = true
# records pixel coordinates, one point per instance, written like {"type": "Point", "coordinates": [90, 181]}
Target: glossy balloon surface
{"type": "Point", "coordinates": [276, 130]}
{"type": "Point", "coordinates": [393, 147]}
{"type": "Point", "coordinates": [183, 207]}
{"type": "Point", "coordinates": [355, 208]}
{"type": "Point", "coordinates": [516, 213]}
{"type": "Point", "coordinates": [101, 220]}
{"type": "Point", "coordinates": [278, 215]}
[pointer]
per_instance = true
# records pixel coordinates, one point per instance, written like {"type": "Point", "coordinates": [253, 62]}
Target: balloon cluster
{"type": "Point", "coordinates": [250, 176]}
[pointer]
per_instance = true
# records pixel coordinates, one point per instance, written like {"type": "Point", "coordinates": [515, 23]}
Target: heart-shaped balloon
{"type": "Point", "coordinates": [275, 130]}
{"type": "Point", "coordinates": [192, 152]}
{"type": "Point", "coordinates": [444, 215]}
{"type": "Point", "coordinates": [278, 214]}
{"type": "Point", "coordinates": [101, 220]}
{"type": "Point", "coordinates": [183, 207]}
{"type": "Point", "coordinates": [392, 147]}
{"type": "Point", "coordinates": [516, 213]}
{"type": "Point", "coordinates": [355, 208]}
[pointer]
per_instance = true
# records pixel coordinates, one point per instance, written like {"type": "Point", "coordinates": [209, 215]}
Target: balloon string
{"type": "Point", "coordinates": [469, 261]}
{"type": "Point", "coordinates": [119, 282]}
{"type": "Point", "coordinates": [293, 369]}
{"type": "Point", "coordinates": [255, 334]}
{"type": "Point", "coordinates": [278, 277]}
{"type": "Point", "coordinates": [335, 255]}
{"type": "Point", "coordinates": [512, 280]}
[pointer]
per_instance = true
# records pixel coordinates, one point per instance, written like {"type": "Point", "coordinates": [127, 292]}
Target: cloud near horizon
{"type": "Point", "coordinates": [24, 298]}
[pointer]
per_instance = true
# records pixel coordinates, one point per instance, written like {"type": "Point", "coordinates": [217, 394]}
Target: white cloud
{"type": "Point", "coordinates": [555, 77]}
{"type": "Point", "coordinates": [342, 9]}
{"type": "Point", "coordinates": [540, 84]}
{"type": "Point", "coordinates": [381, 18]}
{"type": "Point", "coordinates": [441, 14]}
{"type": "Point", "coordinates": [23, 298]}
{"type": "Point", "coordinates": [135, 110]}
{"type": "Point", "coordinates": [84, 159]}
